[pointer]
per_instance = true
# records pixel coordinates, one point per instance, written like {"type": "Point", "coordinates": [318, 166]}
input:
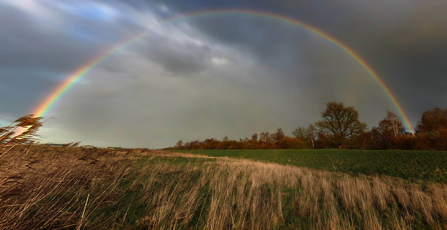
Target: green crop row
{"type": "Point", "coordinates": [410, 165]}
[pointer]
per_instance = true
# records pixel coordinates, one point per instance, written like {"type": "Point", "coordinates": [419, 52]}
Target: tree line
{"type": "Point", "coordinates": [340, 127]}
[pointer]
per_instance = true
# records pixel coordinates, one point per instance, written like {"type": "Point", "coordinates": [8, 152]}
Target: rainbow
{"type": "Point", "coordinates": [50, 101]}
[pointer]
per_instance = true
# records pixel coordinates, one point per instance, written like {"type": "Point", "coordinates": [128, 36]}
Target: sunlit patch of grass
{"type": "Point", "coordinates": [410, 165]}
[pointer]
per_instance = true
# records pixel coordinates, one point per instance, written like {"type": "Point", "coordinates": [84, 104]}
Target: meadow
{"type": "Point", "coordinates": [75, 188]}
{"type": "Point", "coordinates": [410, 165]}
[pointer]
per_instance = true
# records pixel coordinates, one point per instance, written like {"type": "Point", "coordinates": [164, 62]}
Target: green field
{"type": "Point", "coordinates": [414, 166]}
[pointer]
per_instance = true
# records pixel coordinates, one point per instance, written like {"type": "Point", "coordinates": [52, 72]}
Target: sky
{"type": "Point", "coordinates": [216, 75]}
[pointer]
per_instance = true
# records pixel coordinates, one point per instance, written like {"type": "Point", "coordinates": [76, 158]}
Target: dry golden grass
{"type": "Point", "coordinates": [75, 188]}
{"type": "Point", "coordinates": [37, 189]}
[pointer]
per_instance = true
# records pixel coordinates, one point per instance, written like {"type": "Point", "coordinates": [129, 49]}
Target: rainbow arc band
{"type": "Point", "coordinates": [60, 90]}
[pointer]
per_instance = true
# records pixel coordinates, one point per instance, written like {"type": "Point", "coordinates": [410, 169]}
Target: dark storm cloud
{"type": "Point", "coordinates": [407, 44]}
{"type": "Point", "coordinates": [404, 41]}
{"type": "Point", "coordinates": [244, 74]}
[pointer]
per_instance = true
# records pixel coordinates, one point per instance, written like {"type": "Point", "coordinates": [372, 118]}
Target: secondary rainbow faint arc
{"type": "Point", "coordinates": [49, 102]}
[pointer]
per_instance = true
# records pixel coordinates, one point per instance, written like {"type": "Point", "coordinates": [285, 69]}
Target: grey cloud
{"type": "Point", "coordinates": [276, 75]}
{"type": "Point", "coordinates": [404, 41]}
{"type": "Point", "coordinates": [41, 46]}
{"type": "Point", "coordinates": [184, 59]}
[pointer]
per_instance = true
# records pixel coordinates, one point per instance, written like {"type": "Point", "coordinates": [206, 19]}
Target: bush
{"type": "Point", "coordinates": [292, 143]}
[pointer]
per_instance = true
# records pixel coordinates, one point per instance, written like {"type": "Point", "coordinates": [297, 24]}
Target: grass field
{"type": "Point", "coordinates": [412, 165]}
{"type": "Point", "coordinates": [73, 188]}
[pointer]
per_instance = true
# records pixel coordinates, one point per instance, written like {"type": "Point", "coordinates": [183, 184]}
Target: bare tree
{"type": "Point", "coordinates": [433, 125]}
{"type": "Point", "coordinates": [306, 134]}
{"type": "Point", "coordinates": [254, 137]}
{"type": "Point", "coordinates": [265, 138]}
{"type": "Point", "coordinates": [433, 122]}
{"type": "Point", "coordinates": [388, 133]}
{"type": "Point", "coordinates": [340, 123]}
{"type": "Point", "coordinates": [278, 136]}
{"type": "Point", "coordinates": [311, 134]}
{"type": "Point", "coordinates": [179, 144]}
{"type": "Point", "coordinates": [300, 133]}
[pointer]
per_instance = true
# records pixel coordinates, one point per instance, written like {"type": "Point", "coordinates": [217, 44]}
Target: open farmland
{"type": "Point", "coordinates": [410, 165]}
{"type": "Point", "coordinates": [76, 188]}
